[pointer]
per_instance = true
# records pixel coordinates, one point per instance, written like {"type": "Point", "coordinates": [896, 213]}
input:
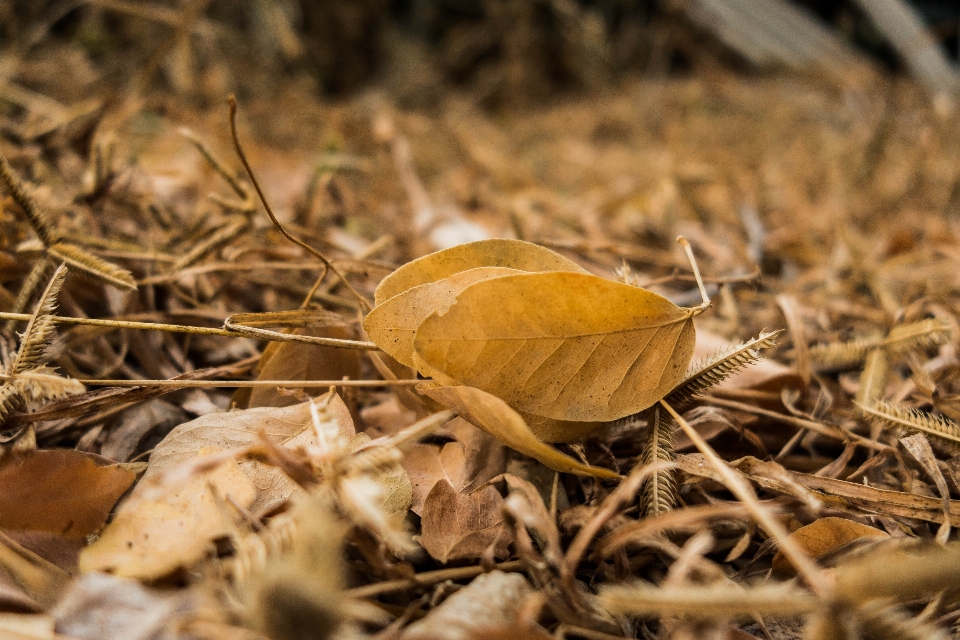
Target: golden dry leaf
{"type": "Point", "coordinates": [393, 323]}
{"type": "Point", "coordinates": [297, 361]}
{"type": "Point", "coordinates": [550, 430]}
{"type": "Point", "coordinates": [152, 537]}
{"type": "Point", "coordinates": [460, 526]}
{"type": "Point", "coordinates": [823, 536]}
{"type": "Point", "coordinates": [494, 416]}
{"type": "Point", "coordinates": [567, 346]}
{"type": "Point", "coordinates": [284, 426]}
{"type": "Point", "coordinates": [59, 491]}
{"type": "Point", "coordinates": [499, 252]}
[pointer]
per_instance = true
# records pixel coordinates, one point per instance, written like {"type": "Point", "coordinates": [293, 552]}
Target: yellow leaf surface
{"type": "Point", "coordinates": [151, 538]}
{"type": "Point", "coordinates": [499, 252]}
{"type": "Point", "coordinates": [567, 346]}
{"type": "Point", "coordinates": [393, 323]}
{"type": "Point", "coordinates": [494, 416]}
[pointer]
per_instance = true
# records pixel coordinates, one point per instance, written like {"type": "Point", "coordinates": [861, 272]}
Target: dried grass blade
{"type": "Point", "coordinates": [873, 380]}
{"type": "Point", "coordinates": [721, 599]}
{"type": "Point", "coordinates": [744, 492]}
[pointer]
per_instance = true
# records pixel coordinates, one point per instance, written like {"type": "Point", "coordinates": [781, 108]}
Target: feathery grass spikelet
{"type": "Point", "coordinates": [946, 431]}
{"type": "Point", "coordinates": [843, 354]}
{"type": "Point", "coordinates": [37, 220]}
{"type": "Point", "coordinates": [88, 264]}
{"type": "Point", "coordinates": [915, 335]}
{"type": "Point", "coordinates": [660, 489]}
{"type": "Point", "coordinates": [718, 367]}
{"type": "Point", "coordinates": [11, 400]}
{"type": "Point", "coordinates": [39, 273]}
{"type": "Point", "coordinates": [44, 383]}
{"type": "Point", "coordinates": [38, 335]}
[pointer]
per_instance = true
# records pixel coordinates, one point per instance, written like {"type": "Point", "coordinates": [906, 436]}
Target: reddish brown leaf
{"type": "Point", "coordinates": [59, 491]}
{"type": "Point", "coordinates": [459, 526]}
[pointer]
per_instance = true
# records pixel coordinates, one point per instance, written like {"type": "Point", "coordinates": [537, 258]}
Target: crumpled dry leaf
{"type": "Point", "coordinates": [472, 459]}
{"type": "Point", "coordinates": [59, 491]}
{"type": "Point", "coordinates": [499, 252]}
{"type": "Point", "coordinates": [494, 416]}
{"type": "Point", "coordinates": [393, 323]}
{"type": "Point", "coordinates": [153, 536]}
{"type": "Point", "coordinates": [490, 605]}
{"type": "Point", "coordinates": [822, 536]}
{"type": "Point", "coordinates": [284, 426]}
{"type": "Point", "coordinates": [460, 526]}
{"type": "Point", "coordinates": [567, 346]}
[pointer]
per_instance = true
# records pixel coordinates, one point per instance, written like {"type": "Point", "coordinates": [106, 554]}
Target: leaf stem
{"type": "Point", "coordinates": [232, 101]}
{"type": "Point", "coordinates": [696, 271]}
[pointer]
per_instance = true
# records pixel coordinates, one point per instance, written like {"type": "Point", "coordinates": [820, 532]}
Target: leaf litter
{"type": "Point", "coordinates": [544, 432]}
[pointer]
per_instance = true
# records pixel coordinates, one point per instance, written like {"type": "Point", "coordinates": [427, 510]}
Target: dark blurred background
{"type": "Point", "coordinates": [501, 51]}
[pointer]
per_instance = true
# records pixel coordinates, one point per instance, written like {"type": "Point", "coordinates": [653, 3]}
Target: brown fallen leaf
{"type": "Point", "coordinates": [295, 361]}
{"type": "Point", "coordinates": [39, 580]}
{"type": "Point", "coordinates": [393, 323]}
{"type": "Point", "coordinates": [154, 536]}
{"type": "Point", "coordinates": [286, 426]}
{"type": "Point", "coordinates": [472, 459]}
{"type": "Point", "coordinates": [823, 536]}
{"type": "Point", "coordinates": [494, 416]}
{"type": "Point", "coordinates": [460, 526]}
{"type": "Point", "coordinates": [489, 607]}
{"type": "Point", "coordinates": [59, 491]}
{"type": "Point", "coordinates": [568, 346]}
{"type": "Point", "coordinates": [500, 252]}
{"type": "Point", "coordinates": [59, 550]}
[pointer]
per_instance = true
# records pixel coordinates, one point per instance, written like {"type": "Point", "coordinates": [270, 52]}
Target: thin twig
{"type": "Point", "coordinates": [427, 578]}
{"type": "Point", "coordinates": [286, 234]}
{"type": "Point", "coordinates": [818, 427]}
{"type": "Point", "coordinates": [191, 384]}
{"type": "Point", "coordinates": [207, 331]}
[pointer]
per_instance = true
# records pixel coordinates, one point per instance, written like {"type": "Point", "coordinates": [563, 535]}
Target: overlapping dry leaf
{"type": "Point", "coordinates": [563, 345]}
